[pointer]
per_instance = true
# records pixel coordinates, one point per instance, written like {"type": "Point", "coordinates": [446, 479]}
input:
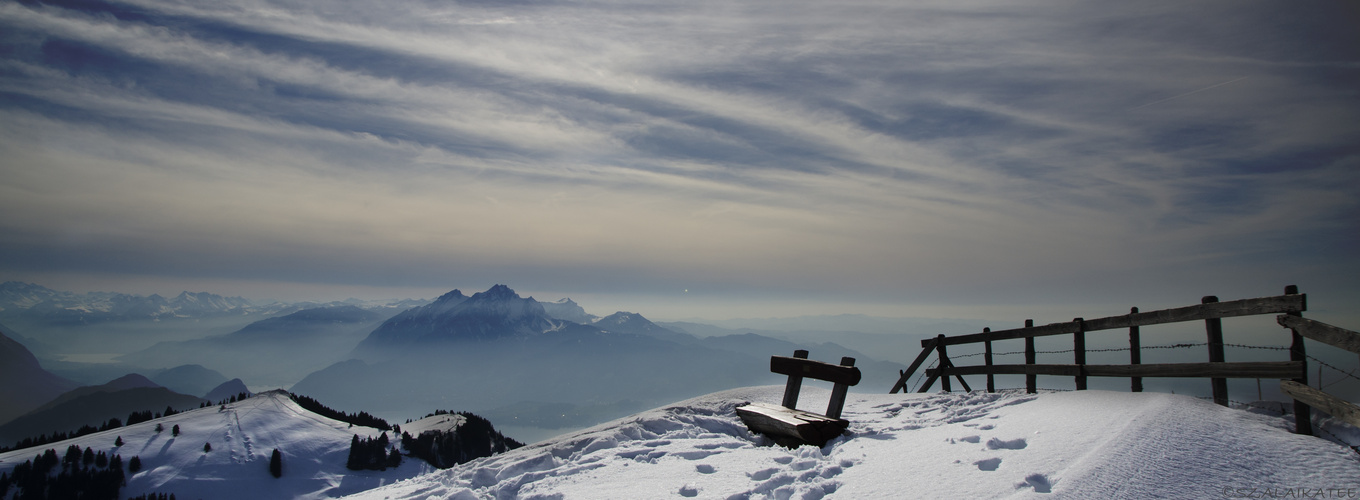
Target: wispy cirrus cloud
{"type": "Point", "coordinates": [869, 148]}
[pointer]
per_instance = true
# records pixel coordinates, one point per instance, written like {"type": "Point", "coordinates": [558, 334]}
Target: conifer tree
{"type": "Point", "coordinates": [174, 431]}
{"type": "Point", "coordinates": [207, 447]}
{"type": "Point", "coordinates": [276, 463]}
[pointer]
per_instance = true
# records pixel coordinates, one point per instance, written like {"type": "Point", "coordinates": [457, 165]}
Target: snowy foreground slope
{"type": "Point", "coordinates": [1088, 444]}
{"type": "Point", "coordinates": [243, 435]}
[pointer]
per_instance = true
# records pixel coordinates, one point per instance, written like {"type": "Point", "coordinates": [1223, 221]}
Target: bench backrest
{"type": "Point", "coordinates": [798, 367]}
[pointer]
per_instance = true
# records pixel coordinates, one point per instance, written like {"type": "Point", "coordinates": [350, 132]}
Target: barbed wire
{"type": "Point", "coordinates": [1338, 370]}
{"type": "Point", "coordinates": [917, 382]}
{"type": "Point", "coordinates": [1266, 347]}
{"type": "Point", "coordinates": [1115, 349]}
{"type": "Point", "coordinates": [1351, 374]}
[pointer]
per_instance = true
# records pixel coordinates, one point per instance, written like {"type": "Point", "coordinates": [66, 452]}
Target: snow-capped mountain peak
{"type": "Point", "coordinates": [496, 313]}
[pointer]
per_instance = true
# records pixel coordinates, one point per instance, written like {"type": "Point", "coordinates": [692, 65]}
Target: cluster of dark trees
{"type": "Point", "coordinates": [240, 396]}
{"type": "Point", "coordinates": [138, 417]}
{"type": "Point", "coordinates": [82, 474]}
{"type": "Point", "coordinates": [372, 454]}
{"type": "Point", "coordinates": [362, 418]}
{"type": "Point", "coordinates": [135, 417]}
{"type": "Point", "coordinates": [475, 438]}
{"type": "Point", "coordinates": [42, 439]}
{"type": "Point", "coordinates": [153, 496]}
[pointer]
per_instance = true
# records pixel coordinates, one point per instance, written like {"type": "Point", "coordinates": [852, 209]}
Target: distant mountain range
{"type": "Point", "coordinates": [32, 302]}
{"type": "Point", "coordinates": [92, 405]}
{"type": "Point", "coordinates": [504, 354]}
{"type": "Point", "coordinates": [492, 351]}
{"type": "Point", "coordinates": [272, 352]}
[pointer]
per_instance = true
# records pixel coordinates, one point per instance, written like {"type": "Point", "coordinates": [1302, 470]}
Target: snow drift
{"type": "Point", "coordinates": [1088, 444]}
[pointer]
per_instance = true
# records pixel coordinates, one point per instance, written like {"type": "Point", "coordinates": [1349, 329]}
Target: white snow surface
{"type": "Point", "coordinates": [243, 436]}
{"type": "Point", "coordinates": [1087, 444]}
{"type": "Point", "coordinates": [445, 422]}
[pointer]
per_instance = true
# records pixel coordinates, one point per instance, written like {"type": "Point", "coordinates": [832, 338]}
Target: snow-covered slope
{"type": "Point", "coordinates": [1088, 444]}
{"type": "Point", "coordinates": [242, 436]}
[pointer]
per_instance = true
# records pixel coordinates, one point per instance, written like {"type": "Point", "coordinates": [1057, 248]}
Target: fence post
{"type": "Point", "coordinates": [1303, 414]}
{"type": "Point", "coordinates": [1030, 378]}
{"type": "Point", "coordinates": [1079, 352]}
{"type": "Point", "coordinates": [795, 384]}
{"type": "Point", "coordinates": [1135, 353]}
{"type": "Point", "coordinates": [943, 364]}
{"type": "Point", "coordinates": [1214, 327]}
{"type": "Point", "coordinates": [987, 359]}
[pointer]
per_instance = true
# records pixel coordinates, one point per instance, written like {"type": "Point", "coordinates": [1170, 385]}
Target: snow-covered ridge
{"type": "Point", "coordinates": [242, 436]}
{"type": "Point", "coordinates": [1086, 444]}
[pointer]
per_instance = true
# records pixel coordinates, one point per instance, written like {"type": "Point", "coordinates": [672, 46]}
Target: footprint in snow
{"type": "Point", "coordinates": [762, 475]}
{"type": "Point", "coordinates": [988, 464]}
{"type": "Point", "coordinates": [1039, 482]}
{"type": "Point", "coordinates": [1014, 444]}
{"type": "Point", "coordinates": [704, 469]}
{"type": "Point", "coordinates": [971, 439]}
{"type": "Point", "coordinates": [689, 490]}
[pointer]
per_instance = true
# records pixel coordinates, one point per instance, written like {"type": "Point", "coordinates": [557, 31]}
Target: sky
{"type": "Point", "coordinates": [688, 159]}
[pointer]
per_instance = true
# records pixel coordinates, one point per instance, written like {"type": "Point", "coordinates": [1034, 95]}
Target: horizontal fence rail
{"type": "Point", "coordinates": [1292, 373]}
{"type": "Point", "coordinates": [1321, 332]}
{"type": "Point", "coordinates": [1215, 310]}
{"type": "Point", "coordinates": [1260, 369]}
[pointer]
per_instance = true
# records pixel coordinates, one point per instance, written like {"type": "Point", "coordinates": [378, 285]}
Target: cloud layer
{"type": "Point", "coordinates": [901, 151]}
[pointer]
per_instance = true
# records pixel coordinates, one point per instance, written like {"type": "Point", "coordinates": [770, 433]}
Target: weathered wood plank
{"type": "Point", "coordinates": [1328, 403]}
{"type": "Point", "coordinates": [1135, 354]}
{"type": "Point", "coordinates": [1254, 369]}
{"type": "Point", "coordinates": [1031, 381]}
{"type": "Point", "coordinates": [1303, 414]}
{"type": "Point", "coordinates": [1321, 332]}
{"type": "Point", "coordinates": [835, 374]}
{"type": "Point", "coordinates": [1249, 369]}
{"type": "Point", "coordinates": [1079, 351]}
{"type": "Point", "coordinates": [1213, 329]}
{"type": "Point", "coordinates": [791, 427]}
{"type": "Point", "coordinates": [1243, 307]}
{"type": "Point", "coordinates": [833, 409]}
{"type": "Point", "coordinates": [795, 383]}
{"type": "Point", "coordinates": [987, 360]}
{"type": "Point", "coordinates": [1064, 370]}
{"type": "Point", "coordinates": [901, 384]}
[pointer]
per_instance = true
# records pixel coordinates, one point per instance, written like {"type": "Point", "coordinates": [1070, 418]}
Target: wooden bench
{"type": "Point", "coordinates": [790, 426]}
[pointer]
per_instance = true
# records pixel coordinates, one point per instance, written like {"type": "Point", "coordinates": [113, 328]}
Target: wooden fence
{"type": "Point", "coordinates": [1289, 306]}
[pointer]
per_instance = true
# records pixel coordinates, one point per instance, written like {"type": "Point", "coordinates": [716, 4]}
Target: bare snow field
{"type": "Point", "coordinates": [1087, 444]}
{"type": "Point", "coordinates": [242, 435]}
